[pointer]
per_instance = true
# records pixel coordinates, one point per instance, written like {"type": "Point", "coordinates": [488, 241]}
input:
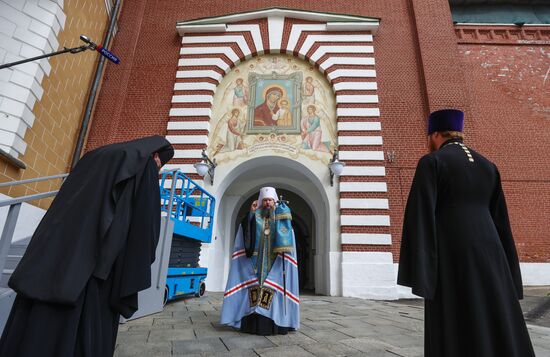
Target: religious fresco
{"type": "Point", "coordinates": [273, 103]}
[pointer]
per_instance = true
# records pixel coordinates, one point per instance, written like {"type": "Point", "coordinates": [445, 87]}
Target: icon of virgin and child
{"type": "Point", "coordinates": [275, 110]}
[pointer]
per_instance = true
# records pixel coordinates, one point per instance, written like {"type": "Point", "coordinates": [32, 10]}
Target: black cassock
{"type": "Point", "coordinates": [90, 255]}
{"type": "Point", "coordinates": [458, 253]}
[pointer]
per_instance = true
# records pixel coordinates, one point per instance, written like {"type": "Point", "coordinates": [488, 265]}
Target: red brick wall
{"type": "Point", "coordinates": [419, 68]}
{"type": "Point", "coordinates": [509, 122]}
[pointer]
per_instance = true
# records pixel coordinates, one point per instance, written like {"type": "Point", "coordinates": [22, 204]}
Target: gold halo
{"type": "Point", "coordinates": [285, 99]}
{"type": "Point", "coordinates": [283, 91]}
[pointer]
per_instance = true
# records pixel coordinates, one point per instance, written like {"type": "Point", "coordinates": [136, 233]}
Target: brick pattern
{"type": "Point", "coordinates": [503, 35]}
{"type": "Point", "coordinates": [28, 28]}
{"type": "Point", "coordinates": [505, 130]}
{"type": "Point", "coordinates": [51, 140]}
{"type": "Point", "coordinates": [509, 122]}
{"type": "Point", "coordinates": [195, 45]}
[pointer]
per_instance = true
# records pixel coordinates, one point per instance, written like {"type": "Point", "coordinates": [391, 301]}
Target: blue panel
{"type": "Point", "coordinates": [189, 200]}
{"type": "Point", "coordinates": [191, 208]}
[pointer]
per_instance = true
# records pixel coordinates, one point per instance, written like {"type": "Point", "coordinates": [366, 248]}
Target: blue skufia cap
{"type": "Point", "coordinates": [446, 120]}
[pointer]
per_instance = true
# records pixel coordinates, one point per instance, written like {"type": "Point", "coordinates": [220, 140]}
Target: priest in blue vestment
{"type": "Point", "coordinates": [262, 294]}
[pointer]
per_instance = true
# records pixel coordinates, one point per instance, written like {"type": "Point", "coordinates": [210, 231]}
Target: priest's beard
{"type": "Point", "coordinates": [268, 212]}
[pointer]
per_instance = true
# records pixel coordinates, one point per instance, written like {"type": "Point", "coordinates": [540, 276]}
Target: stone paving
{"type": "Point", "coordinates": [330, 326]}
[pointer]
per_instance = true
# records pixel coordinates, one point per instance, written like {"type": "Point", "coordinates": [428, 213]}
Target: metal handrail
{"type": "Point", "coordinates": [19, 200]}
{"type": "Point", "coordinates": [37, 179]}
{"type": "Point", "coordinates": [14, 209]}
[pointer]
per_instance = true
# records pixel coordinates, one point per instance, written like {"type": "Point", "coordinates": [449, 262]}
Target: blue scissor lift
{"type": "Point", "coordinates": [191, 210]}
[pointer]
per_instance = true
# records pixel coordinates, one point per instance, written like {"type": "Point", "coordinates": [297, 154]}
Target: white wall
{"type": "Point", "coordinates": [236, 182]}
{"type": "Point", "coordinates": [368, 275]}
{"type": "Point", "coordinates": [535, 273]}
{"type": "Point", "coordinates": [29, 217]}
{"type": "Point", "coordinates": [28, 28]}
{"type": "Point", "coordinates": [532, 274]}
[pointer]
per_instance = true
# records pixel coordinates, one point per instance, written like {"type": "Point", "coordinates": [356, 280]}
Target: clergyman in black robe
{"type": "Point", "coordinates": [458, 253]}
{"type": "Point", "coordinates": [90, 255]}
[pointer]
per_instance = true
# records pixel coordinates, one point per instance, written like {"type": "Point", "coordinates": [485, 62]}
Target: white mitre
{"type": "Point", "coordinates": [267, 192]}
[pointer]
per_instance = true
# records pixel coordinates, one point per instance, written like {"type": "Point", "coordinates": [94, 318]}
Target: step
{"type": "Point", "coordinates": [6, 274]}
{"type": "Point", "coordinates": [18, 248]}
{"type": "Point", "coordinates": [7, 296]}
{"type": "Point", "coordinates": [12, 261]}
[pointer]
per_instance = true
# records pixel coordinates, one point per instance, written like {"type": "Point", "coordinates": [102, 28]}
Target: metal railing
{"type": "Point", "coordinates": [14, 209]}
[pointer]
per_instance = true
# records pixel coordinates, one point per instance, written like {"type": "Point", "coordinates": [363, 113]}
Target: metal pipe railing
{"type": "Point", "coordinates": [14, 209]}
{"type": "Point", "coordinates": [37, 179]}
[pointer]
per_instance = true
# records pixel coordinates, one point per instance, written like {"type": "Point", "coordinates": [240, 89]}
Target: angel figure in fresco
{"type": "Point", "coordinates": [312, 133]}
{"type": "Point", "coordinates": [283, 115]}
{"type": "Point", "coordinates": [275, 64]}
{"type": "Point", "coordinates": [240, 93]}
{"type": "Point", "coordinates": [313, 92]}
{"type": "Point", "coordinates": [230, 133]}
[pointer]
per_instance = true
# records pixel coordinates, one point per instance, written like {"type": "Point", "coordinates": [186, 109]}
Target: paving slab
{"type": "Point", "coordinates": [291, 338]}
{"type": "Point", "coordinates": [247, 342]}
{"type": "Point", "coordinates": [367, 345]}
{"type": "Point", "coordinates": [325, 336]}
{"type": "Point", "coordinates": [232, 353]}
{"type": "Point", "coordinates": [331, 349]}
{"type": "Point", "coordinates": [171, 335]}
{"type": "Point", "coordinates": [330, 326]}
{"type": "Point", "coordinates": [144, 349]}
{"type": "Point", "coordinates": [201, 345]}
{"type": "Point", "coordinates": [294, 351]}
{"type": "Point", "coordinates": [128, 337]}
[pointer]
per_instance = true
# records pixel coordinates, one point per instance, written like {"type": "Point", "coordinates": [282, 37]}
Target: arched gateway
{"type": "Point", "coordinates": [243, 183]}
{"type": "Point", "coordinates": [270, 95]}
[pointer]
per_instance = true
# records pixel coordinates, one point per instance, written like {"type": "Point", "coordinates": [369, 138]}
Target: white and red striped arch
{"type": "Point", "coordinates": [341, 47]}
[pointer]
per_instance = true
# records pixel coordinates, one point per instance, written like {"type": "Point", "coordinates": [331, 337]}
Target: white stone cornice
{"type": "Point", "coordinates": [228, 51]}
{"type": "Point", "coordinates": [365, 220]}
{"type": "Point", "coordinates": [190, 112]}
{"type": "Point", "coordinates": [195, 86]}
{"type": "Point", "coordinates": [192, 99]}
{"type": "Point", "coordinates": [322, 50]}
{"type": "Point", "coordinates": [205, 61]}
{"type": "Point", "coordinates": [357, 61]}
{"type": "Point", "coordinates": [187, 139]}
{"type": "Point", "coordinates": [297, 30]}
{"type": "Point", "coordinates": [356, 99]}
{"type": "Point", "coordinates": [254, 31]}
{"type": "Point", "coordinates": [357, 73]}
{"type": "Point", "coordinates": [364, 203]}
{"type": "Point", "coordinates": [238, 39]}
{"type": "Point", "coordinates": [199, 74]}
{"type": "Point", "coordinates": [363, 187]}
{"type": "Point", "coordinates": [364, 171]}
{"type": "Point", "coordinates": [361, 155]}
{"type": "Point", "coordinates": [358, 112]}
{"type": "Point", "coordinates": [312, 39]}
{"type": "Point", "coordinates": [366, 238]}
{"type": "Point", "coordinates": [355, 86]}
{"type": "Point", "coordinates": [337, 22]}
{"type": "Point", "coordinates": [359, 126]}
{"type": "Point", "coordinates": [360, 140]}
{"type": "Point", "coordinates": [187, 154]}
{"type": "Point", "coordinates": [188, 125]}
